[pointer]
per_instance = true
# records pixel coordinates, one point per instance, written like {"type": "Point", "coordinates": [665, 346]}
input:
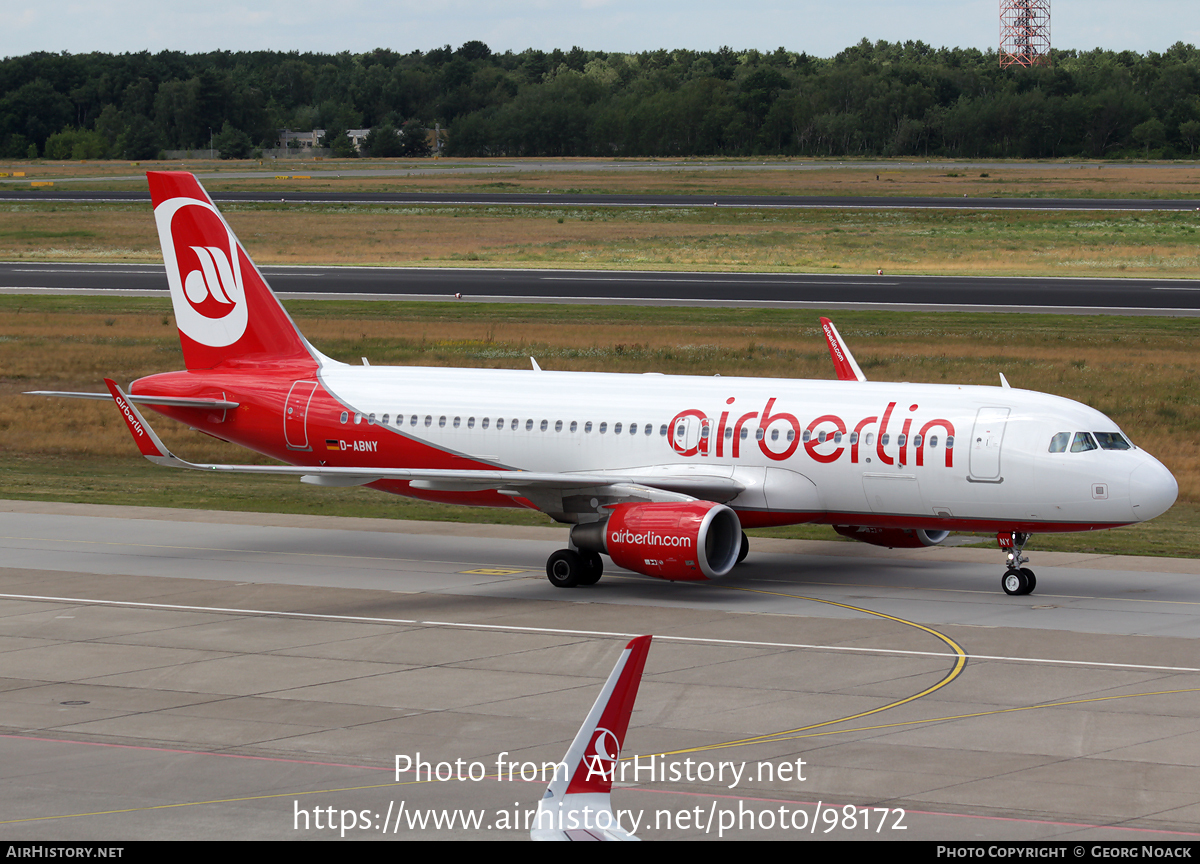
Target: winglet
{"type": "Point", "coordinates": [843, 360]}
{"type": "Point", "coordinates": [150, 445]}
{"type": "Point", "coordinates": [576, 805]}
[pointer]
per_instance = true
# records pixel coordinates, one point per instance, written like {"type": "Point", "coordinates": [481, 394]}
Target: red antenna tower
{"type": "Point", "coordinates": [1024, 33]}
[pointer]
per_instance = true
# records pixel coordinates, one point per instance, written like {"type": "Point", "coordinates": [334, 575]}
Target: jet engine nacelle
{"type": "Point", "coordinates": [893, 538]}
{"type": "Point", "coordinates": [690, 541]}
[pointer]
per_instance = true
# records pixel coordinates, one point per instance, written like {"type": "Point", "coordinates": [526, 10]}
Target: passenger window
{"type": "Point", "coordinates": [557, 425]}
{"type": "Point", "coordinates": [883, 439]}
{"type": "Point", "coordinates": [545, 424]}
{"type": "Point", "coordinates": [870, 438]}
{"type": "Point", "coordinates": [728, 431]}
{"type": "Point", "coordinates": [483, 424]}
{"type": "Point", "coordinates": [384, 419]}
{"type": "Point", "coordinates": [617, 429]}
{"type": "Point", "coordinates": [357, 418]}
{"type": "Point", "coordinates": [758, 434]}
{"type": "Point", "coordinates": [663, 431]}
{"type": "Point", "coordinates": [515, 423]}
{"type": "Point", "coordinates": [1112, 441]}
{"type": "Point", "coordinates": [932, 440]}
{"type": "Point", "coordinates": [442, 422]}
{"type": "Point", "coordinates": [345, 416]}
{"type": "Point", "coordinates": [428, 420]}
{"type": "Point", "coordinates": [529, 425]}
{"type": "Point", "coordinates": [649, 428]}
{"type": "Point", "coordinates": [1082, 443]}
{"type": "Point", "coordinates": [457, 421]}
{"type": "Point", "coordinates": [1058, 444]}
{"type": "Point", "coordinates": [587, 427]}
{"type": "Point", "coordinates": [774, 434]}
{"type": "Point", "coordinates": [745, 433]}
{"type": "Point", "coordinates": [413, 421]}
{"type": "Point", "coordinates": [471, 423]}
{"type": "Point", "coordinates": [853, 437]}
{"type": "Point", "coordinates": [603, 428]}
{"type": "Point", "coordinates": [574, 425]}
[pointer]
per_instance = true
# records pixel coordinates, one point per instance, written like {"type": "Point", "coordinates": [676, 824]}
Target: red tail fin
{"type": "Point", "coordinates": [224, 309]}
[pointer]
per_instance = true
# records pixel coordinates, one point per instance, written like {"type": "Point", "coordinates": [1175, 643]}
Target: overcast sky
{"type": "Point", "coordinates": [819, 28]}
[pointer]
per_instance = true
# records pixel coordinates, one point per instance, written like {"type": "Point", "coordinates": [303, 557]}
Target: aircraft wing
{"type": "Point", "coordinates": [524, 483]}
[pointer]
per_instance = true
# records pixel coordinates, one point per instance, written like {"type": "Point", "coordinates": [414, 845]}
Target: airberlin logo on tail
{"type": "Point", "coordinates": [214, 278]}
{"type": "Point", "coordinates": [204, 271]}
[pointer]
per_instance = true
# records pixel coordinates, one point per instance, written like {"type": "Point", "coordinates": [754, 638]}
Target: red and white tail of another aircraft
{"type": "Point", "coordinates": [576, 805]}
{"type": "Point", "coordinates": [659, 473]}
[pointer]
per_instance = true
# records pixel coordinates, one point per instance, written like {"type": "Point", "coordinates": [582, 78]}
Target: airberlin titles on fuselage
{"type": "Point", "coordinates": [826, 438]}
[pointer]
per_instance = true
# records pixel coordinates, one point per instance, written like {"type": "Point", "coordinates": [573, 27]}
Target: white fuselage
{"type": "Point", "coordinates": [797, 446]}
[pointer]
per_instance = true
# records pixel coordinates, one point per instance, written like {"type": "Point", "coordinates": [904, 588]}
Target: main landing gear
{"type": "Point", "coordinates": [567, 568]}
{"type": "Point", "coordinates": [1017, 580]}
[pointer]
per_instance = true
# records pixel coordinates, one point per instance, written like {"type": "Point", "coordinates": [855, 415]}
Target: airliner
{"type": "Point", "coordinates": [660, 473]}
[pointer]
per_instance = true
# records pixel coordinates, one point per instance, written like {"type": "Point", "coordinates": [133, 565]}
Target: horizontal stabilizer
{"type": "Point", "coordinates": [169, 401]}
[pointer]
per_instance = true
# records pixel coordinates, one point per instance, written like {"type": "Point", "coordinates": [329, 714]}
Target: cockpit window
{"type": "Point", "coordinates": [1083, 442]}
{"type": "Point", "coordinates": [1058, 444]}
{"type": "Point", "coordinates": [1112, 441]}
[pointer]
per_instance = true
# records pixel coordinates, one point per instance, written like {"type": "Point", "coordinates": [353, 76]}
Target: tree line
{"type": "Point", "coordinates": [872, 99]}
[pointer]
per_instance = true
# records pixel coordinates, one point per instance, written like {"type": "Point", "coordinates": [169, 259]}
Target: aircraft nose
{"type": "Point", "coordinates": [1152, 489]}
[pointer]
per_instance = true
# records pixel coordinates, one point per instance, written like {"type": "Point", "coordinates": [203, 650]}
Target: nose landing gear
{"type": "Point", "coordinates": [1017, 580]}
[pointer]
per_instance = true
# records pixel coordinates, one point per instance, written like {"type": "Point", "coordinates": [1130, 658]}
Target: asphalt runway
{"type": "Point", "coordinates": [559, 199]}
{"type": "Point", "coordinates": [822, 291]}
{"type": "Point", "coordinates": [192, 675]}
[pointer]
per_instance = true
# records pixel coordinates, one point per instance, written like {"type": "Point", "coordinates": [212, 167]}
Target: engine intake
{"type": "Point", "coordinates": [682, 542]}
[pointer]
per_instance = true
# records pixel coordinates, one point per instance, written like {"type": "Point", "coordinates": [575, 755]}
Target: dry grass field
{"type": "Point", "coordinates": [688, 238]}
{"type": "Point", "coordinates": [695, 176]}
{"type": "Point", "coordinates": [1144, 372]}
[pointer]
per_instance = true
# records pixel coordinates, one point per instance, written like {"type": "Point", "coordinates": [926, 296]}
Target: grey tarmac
{"type": "Point", "coordinates": [189, 675]}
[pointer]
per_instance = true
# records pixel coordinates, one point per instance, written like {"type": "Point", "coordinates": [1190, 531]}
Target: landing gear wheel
{"type": "Point", "coordinates": [1016, 583]}
{"type": "Point", "coordinates": [593, 568]}
{"type": "Point", "coordinates": [1032, 579]}
{"type": "Point", "coordinates": [565, 568]}
{"type": "Point", "coordinates": [745, 550]}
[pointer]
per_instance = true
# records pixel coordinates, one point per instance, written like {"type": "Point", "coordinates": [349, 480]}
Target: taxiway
{"type": "Point", "coordinates": [191, 674]}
